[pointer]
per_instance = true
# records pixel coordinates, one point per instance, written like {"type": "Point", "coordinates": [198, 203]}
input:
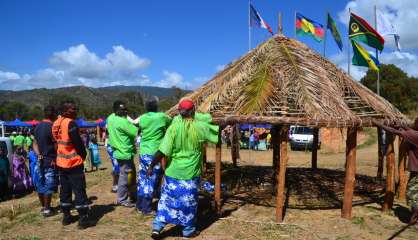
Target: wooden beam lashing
{"type": "Point", "coordinates": [281, 176]}
{"type": "Point", "coordinates": [350, 172]}
{"type": "Point", "coordinates": [380, 157]}
{"type": "Point", "coordinates": [390, 173]}
{"type": "Point", "coordinates": [218, 175]}
{"type": "Point", "coordinates": [403, 177]}
{"type": "Point", "coordinates": [315, 148]}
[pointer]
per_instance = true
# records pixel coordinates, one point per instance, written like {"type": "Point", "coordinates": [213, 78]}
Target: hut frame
{"type": "Point", "coordinates": [283, 82]}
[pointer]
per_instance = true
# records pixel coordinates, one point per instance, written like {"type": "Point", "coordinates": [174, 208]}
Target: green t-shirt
{"type": "Point", "coordinates": [12, 139]}
{"type": "Point", "coordinates": [28, 141]}
{"type": "Point", "coordinates": [19, 141]}
{"type": "Point", "coordinates": [183, 143]}
{"type": "Point", "coordinates": [109, 122]}
{"type": "Point", "coordinates": [122, 135]}
{"type": "Point", "coordinates": [153, 126]}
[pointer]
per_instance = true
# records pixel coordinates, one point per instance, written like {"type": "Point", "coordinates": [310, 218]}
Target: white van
{"type": "Point", "coordinates": [6, 146]}
{"type": "Point", "coordinates": [302, 138]}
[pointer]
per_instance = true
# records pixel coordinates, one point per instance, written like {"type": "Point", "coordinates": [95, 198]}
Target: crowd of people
{"type": "Point", "coordinates": [170, 160]}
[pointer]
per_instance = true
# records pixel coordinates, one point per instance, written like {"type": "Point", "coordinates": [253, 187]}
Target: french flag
{"type": "Point", "coordinates": [257, 21]}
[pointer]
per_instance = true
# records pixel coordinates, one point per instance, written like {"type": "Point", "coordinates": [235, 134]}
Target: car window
{"type": "Point", "coordinates": [303, 130]}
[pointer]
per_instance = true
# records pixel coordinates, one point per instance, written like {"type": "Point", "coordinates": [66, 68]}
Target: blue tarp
{"type": "Point", "coordinates": [17, 123]}
{"type": "Point", "coordinates": [251, 126]}
{"type": "Point", "coordinates": [84, 124]}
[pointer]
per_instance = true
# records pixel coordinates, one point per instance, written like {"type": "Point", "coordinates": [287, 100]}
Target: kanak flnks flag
{"type": "Point", "coordinates": [306, 26]}
{"type": "Point", "coordinates": [334, 31]}
{"type": "Point", "coordinates": [363, 58]}
{"type": "Point", "coordinates": [257, 21]}
{"type": "Point", "coordinates": [361, 31]}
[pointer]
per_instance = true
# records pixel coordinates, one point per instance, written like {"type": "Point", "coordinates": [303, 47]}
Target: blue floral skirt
{"type": "Point", "coordinates": [148, 185]}
{"type": "Point", "coordinates": [178, 201]}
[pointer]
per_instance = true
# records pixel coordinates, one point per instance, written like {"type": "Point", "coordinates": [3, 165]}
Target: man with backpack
{"type": "Point", "coordinates": [46, 153]}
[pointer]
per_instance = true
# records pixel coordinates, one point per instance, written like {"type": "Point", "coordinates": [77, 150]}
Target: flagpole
{"type": "Point", "coordinates": [294, 27]}
{"type": "Point", "coordinates": [377, 53]}
{"type": "Point", "coordinates": [249, 25]}
{"type": "Point", "coordinates": [326, 30]}
{"type": "Point", "coordinates": [348, 45]}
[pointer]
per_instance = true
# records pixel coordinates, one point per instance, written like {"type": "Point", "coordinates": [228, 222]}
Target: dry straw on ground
{"type": "Point", "coordinates": [283, 81]}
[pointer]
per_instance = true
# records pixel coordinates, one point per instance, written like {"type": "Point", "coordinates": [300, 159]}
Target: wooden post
{"type": "Point", "coordinates": [315, 148]}
{"type": "Point", "coordinates": [350, 172]}
{"type": "Point", "coordinates": [275, 144]}
{"type": "Point", "coordinates": [218, 175]}
{"type": "Point", "coordinates": [98, 134]}
{"type": "Point", "coordinates": [280, 26]}
{"type": "Point", "coordinates": [380, 158]}
{"type": "Point", "coordinates": [235, 144]}
{"type": "Point", "coordinates": [281, 176]}
{"type": "Point", "coordinates": [390, 173]}
{"type": "Point", "coordinates": [204, 158]}
{"type": "Point", "coordinates": [403, 177]}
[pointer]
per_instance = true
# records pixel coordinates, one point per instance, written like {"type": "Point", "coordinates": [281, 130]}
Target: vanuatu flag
{"type": "Point", "coordinates": [361, 31]}
{"type": "Point", "coordinates": [363, 58]}
{"type": "Point", "coordinates": [334, 31]}
{"type": "Point", "coordinates": [306, 26]}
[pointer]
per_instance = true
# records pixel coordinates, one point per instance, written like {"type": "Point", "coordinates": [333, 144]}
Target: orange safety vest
{"type": "Point", "coordinates": [67, 156]}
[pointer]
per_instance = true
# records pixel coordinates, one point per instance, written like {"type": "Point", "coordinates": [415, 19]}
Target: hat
{"type": "Point", "coordinates": [186, 104]}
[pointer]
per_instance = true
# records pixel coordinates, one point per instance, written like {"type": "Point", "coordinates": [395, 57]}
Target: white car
{"type": "Point", "coordinates": [302, 138]}
{"type": "Point", "coordinates": [6, 145]}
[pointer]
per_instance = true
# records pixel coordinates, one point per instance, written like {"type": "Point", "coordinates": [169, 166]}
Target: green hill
{"type": "Point", "coordinates": [93, 102]}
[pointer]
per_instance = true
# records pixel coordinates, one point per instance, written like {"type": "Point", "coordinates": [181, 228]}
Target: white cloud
{"type": "Point", "coordinates": [171, 79]}
{"type": "Point", "coordinates": [220, 67]}
{"type": "Point", "coordinates": [403, 14]}
{"type": "Point", "coordinates": [79, 66]}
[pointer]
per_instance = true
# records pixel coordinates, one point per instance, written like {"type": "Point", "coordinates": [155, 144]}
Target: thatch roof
{"type": "Point", "coordinates": [283, 81]}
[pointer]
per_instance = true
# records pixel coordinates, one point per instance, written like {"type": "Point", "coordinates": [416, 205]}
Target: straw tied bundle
{"type": "Point", "coordinates": [283, 81]}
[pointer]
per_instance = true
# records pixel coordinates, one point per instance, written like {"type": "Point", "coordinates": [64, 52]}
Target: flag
{"type": "Point", "coordinates": [361, 31]}
{"type": "Point", "coordinates": [397, 41]}
{"type": "Point", "coordinates": [257, 21]}
{"type": "Point", "coordinates": [334, 31]}
{"type": "Point", "coordinates": [386, 28]}
{"type": "Point", "coordinates": [363, 58]}
{"type": "Point", "coordinates": [306, 26]}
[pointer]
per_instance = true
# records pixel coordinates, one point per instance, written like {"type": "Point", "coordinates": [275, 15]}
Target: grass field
{"type": "Point", "coordinates": [313, 200]}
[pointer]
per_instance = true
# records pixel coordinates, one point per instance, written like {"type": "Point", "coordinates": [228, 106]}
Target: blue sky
{"type": "Point", "coordinates": [54, 43]}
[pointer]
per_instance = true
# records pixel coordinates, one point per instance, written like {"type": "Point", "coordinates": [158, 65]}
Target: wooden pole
{"type": "Point", "coordinates": [280, 26]}
{"type": "Point", "coordinates": [204, 158]}
{"type": "Point", "coordinates": [350, 172]}
{"type": "Point", "coordinates": [403, 177]}
{"type": "Point", "coordinates": [315, 148]}
{"type": "Point", "coordinates": [98, 134]}
{"type": "Point", "coordinates": [380, 159]}
{"type": "Point", "coordinates": [235, 144]}
{"type": "Point", "coordinates": [218, 175]}
{"type": "Point", "coordinates": [390, 173]}
{"type": "Point", "coordinates": [275, 144]}
{"type": "Point", "coordinates": [281, 176]}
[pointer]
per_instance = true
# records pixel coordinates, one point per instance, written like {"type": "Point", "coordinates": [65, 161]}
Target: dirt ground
{"type": "Point", "coordinates": [313, 205]}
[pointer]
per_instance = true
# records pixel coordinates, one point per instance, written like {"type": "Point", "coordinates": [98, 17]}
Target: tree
{"type": "Point", "coordinates": [395, 86]}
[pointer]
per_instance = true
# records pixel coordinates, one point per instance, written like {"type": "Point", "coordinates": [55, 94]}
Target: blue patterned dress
{"type": "Point", "coordinates": [147, 185]}
{"type": "Point", "coordinates": [178, 202]}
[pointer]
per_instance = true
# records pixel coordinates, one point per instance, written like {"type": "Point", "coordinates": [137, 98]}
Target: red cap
{"type": "Point", "coordinates": [186, 104]}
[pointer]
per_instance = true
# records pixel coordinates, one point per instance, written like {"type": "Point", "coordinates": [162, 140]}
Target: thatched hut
{"type": "Point", "coordinates": [283, 82]}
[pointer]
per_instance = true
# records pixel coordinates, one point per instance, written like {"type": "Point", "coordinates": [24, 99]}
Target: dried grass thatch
{"type": "Point", "coordinates": [283, 81]}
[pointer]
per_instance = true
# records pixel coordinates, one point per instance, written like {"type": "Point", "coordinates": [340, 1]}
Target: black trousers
{"type": "Point", "coordinates": [73, 180]}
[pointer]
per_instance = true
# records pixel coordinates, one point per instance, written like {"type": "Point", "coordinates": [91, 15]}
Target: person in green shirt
{"type": "Point", "coordinates": [122, 135]}
{"type": "Point", "coordinates": [109, 149]}
{"type": "Point", "coordinates": [152, 125]}
{"type": "Point", "coordinates": [28, 141]}
{"type": "Point", "coordinates": [19, 140]}
{"type": "Point", "coordinates": [182, 145]}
